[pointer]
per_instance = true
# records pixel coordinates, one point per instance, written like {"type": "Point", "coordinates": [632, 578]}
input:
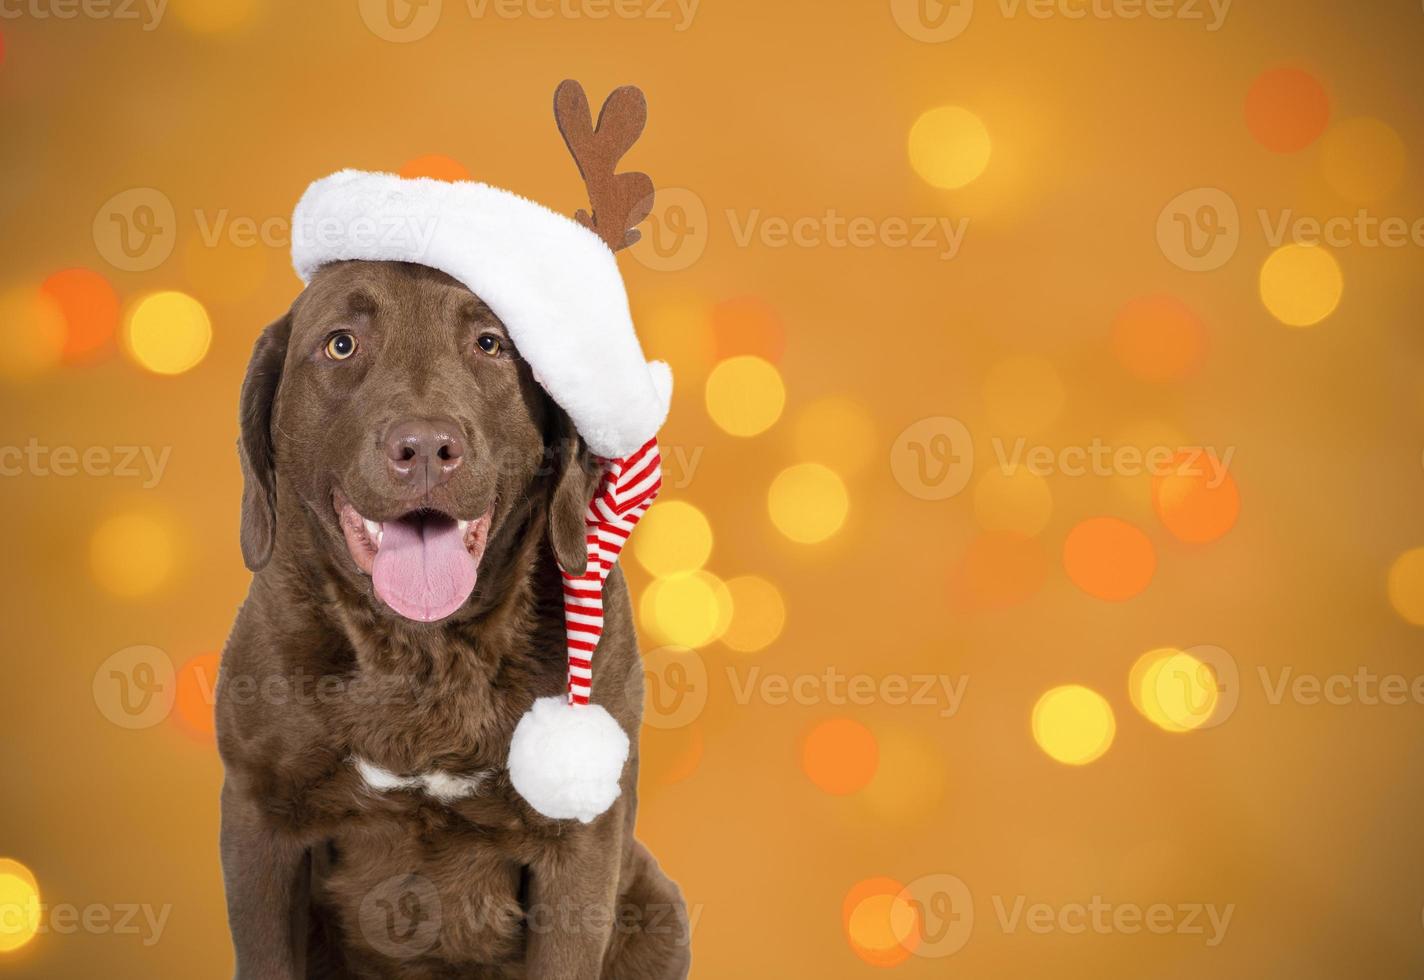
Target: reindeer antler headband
{"type": "Point", "coordinates": [554, 283]}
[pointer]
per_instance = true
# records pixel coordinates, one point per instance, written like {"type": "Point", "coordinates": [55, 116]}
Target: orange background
{"type": "Point", "coordinates": [1064, 318]}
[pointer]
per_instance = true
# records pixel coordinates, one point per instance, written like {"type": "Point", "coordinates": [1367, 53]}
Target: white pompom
{"type": "Point", "coordinates": [566, 760]}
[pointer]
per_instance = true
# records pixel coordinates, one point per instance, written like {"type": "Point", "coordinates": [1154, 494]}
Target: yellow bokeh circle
{"type": "Point", "coordinates": [837, 431]}
{"type": "Point", "coordinates": [133, 554]}
{"type": "Point", "coordinates": [688, 610]}
{"type": "Point", "coordinates": [673, 537]}
{"type": "Point", "coordinates": [745, 395]}
{"type": "Point", "coordinates": [883, 922]}
{"type": "Point", "coordinates": [949, 147]}
{"type": "Point", "coordinates": [167, 333]}
{"type": "Point", "coordinates": [758, 614]}
{"type": "Point", "coordinates": [1013, 499]}
{"type": "Point", "coordinates": [1406, 586]}
{"type": "Point", "coordinates": [1173, 689]}
{"type": "Point", "coordinates": [1073, 724]}
{"type": "Point", "coordinates": [32, 332]}
{"type": "Point", "coordinates": [20, 910]}
{"type": "Point", "coordinates": [1363, 159]}
{"type": "Point", "coordinates": [808, 502]}
{"type": "Point", "coordinates": [1301, 284]}
{"type": "Point", "coordinates": [214, 16]}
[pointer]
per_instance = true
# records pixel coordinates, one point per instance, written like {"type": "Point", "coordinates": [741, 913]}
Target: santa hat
{"type": "Point", "coordinates": [554, 283]}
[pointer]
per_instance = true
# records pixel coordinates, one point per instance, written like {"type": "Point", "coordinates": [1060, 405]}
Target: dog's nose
{"type": "Point", "coordinates": [424, 452]}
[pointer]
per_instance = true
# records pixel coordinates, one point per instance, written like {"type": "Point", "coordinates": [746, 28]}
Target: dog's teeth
{"type": "Point", "coordinates": [464, 526]}
{"type": "Point", "coordinates": [373, 531]}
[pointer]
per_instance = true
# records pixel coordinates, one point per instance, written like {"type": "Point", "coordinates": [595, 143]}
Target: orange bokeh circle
{"type": "Point", "coordinates": [999, 569]}
{"type": "Point", "coordinates": [747, 325]}
{"type": "Point", "coordinates": [1158, 338]}
{"type": "Point", "coordinates": [840, 756]}
{"type": "Point", "coordinates": [195, 696]}
{"type": "Point", "coordinates": [435, 165]}
{"type": "Point", "coordinates": [880, 925]}
{"type": "Point", "coordinates": [90, 308]}
{"type": "Point", "coordinates": [1109, 558]}
{"type": "Point", "coordinates": [1286, 109]}
{"type": "Point", "coordinates": [1195, 497]}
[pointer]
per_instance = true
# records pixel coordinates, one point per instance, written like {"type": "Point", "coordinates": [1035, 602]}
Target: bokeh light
{"type": "Point", "coordinates": [1073, 724]}
{"type": "Point", "coordinates": [678, 330]}
{"type": "Point", "coordinates": [1286, 109]}
{"type": "Point", "coordinates": [808, 502]}
{"type": "Point", "coordinates": [32, 332]}
{"type": "Point", "coordinates": [90, 308]}
{"type": "Point", "coordinates": [758, 614]}
{"type": "Point", "coordinates": [1158, 338]}
{"type": "Point", "coordinates": [1109, 558]}
{"type": "Point", "coordinates": [673, 537]}
{"type": "Point", "coordinates": [1023, 394]}
{"type": "Point", "coordinates": [745, 395]}
{"type": "Point", "coordinates": [195, 697]}
{"type": "Point", "coordinates": [1012, 499]}
{"type": "Point", "coordinates": [1406, 586]}
{"type": "Point", "coordinates": [840, 755]}
{"type": "Point", "coordinates": [998, 569]}
{"type": "Point", "coordinates": [688, 610]}
{"type": "Point", "coordinates": [1195, 497]}
{"type": "Point", "coordinates": [670, 755]}
{"type": "Point", "coordinates": [880, 922]}
{"type": "Point", "coordinates": [167, 332]}
{"type": "Point", "coordinates": [949, 147]}
{"type": "Point", "coordinates": [435, 165]}
{"type": "Point", "coordinates": [1301, 284]}
{"type": "Point", "coordinates": [133, 554]}
{"type": "Point", "coordinates": [1173, 689]}
{"type": "Point", "coordinates": [747, 325]}
{"type": "Point", "coordinates": [1363, 159]}
{"type": "Point", "coordinates": [214, 16]}
{"type": "Point", "coordinates": [910, 779]}
{"type": "Point", "coordinates": [836, 431]}
{"type": "Point", "coordinates": [20, 911]}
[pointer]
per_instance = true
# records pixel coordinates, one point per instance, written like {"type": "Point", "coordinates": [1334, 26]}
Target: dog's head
{"type": "Point", "coordinates": [392, 405]}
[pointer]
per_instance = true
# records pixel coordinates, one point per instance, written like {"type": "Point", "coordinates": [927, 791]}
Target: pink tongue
{"type": "Point", "coordinates": [422, 569]}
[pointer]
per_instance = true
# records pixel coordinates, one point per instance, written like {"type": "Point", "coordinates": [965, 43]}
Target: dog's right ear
{"type": "Point", "coordinates": [254, 446]}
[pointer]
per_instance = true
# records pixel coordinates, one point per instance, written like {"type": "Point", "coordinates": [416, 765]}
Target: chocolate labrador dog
{"type": "Point", "coordinates": [390, 432]}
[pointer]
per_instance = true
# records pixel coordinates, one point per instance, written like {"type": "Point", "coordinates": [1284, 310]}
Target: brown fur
{"type": "Point", "coordinates": [326, 877]}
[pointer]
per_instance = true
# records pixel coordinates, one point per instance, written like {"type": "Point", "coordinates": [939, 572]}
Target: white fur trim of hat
{"type": "Point", "coordinates": [553, 283]}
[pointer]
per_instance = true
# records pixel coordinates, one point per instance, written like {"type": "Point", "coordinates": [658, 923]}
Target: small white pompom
{"type": "Point", "coordinates": [566, 760]}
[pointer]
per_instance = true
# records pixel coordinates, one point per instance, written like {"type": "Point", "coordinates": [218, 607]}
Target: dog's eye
{"type": "Point", "coordinates": [490, 344]}
{"type": "Point", "coordinates": [340, 346]}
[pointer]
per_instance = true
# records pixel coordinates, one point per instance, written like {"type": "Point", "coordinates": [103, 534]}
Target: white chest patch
{"type": "Point", "coordinates": [438, 784]}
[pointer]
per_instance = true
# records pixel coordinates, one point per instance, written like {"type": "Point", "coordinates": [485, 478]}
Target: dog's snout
{"type": "Point", "coordinates": [424, 452]}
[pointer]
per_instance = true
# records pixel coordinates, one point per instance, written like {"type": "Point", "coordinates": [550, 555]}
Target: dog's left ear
{"type": "Point", "coordinates": [576, 474]}
{"type": "Point", "coordinates": [254, 446]}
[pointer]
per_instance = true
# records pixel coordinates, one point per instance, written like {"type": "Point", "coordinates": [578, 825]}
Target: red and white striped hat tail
{"type": "Point", "coordinates": [624, 494]}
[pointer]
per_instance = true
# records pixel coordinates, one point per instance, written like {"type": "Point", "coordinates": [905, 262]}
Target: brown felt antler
{"type": "Point", "coordinates": [619, 201]}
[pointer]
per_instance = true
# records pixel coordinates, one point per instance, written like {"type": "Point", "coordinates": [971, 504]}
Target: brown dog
{"type": "Point", "coordinates": [369, 826]}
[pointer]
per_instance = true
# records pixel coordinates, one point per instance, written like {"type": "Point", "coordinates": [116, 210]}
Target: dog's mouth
{"type": "Point", "coordinates": [424, 564]}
